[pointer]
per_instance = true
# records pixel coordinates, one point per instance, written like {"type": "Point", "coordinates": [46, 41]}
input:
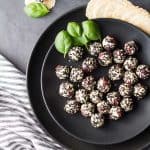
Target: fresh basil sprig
{"type": "Point", "coordinates": [36, 10]}
{"type": "Point", "coordinates": [77, 35]}
{"type": "Point", "coordinates": [63, 42]}
{"type": "Point", "coordinates": [91, 30]}
{"type": "Point", "coordinates": [80, 41]}
{"type": "Point", "coordinates": [74, 29]}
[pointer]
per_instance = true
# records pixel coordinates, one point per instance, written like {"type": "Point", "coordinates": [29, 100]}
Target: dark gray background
{"type": "Point", "coordinates": [19, 33]}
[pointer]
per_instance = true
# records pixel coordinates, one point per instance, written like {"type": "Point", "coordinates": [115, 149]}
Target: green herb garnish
{"type": "Point", "coordinates": [80, 41]}
{"type": "Point", "coordinates": [77, 35]}
{"type": "Point", "coordinates": [74, 29]}
{"type": "Point", "coordinates": [36, 10]}
{"type": "Point", "coordinates": [63, 42]}
{"type": "Point", "coordinates": [91, 30]}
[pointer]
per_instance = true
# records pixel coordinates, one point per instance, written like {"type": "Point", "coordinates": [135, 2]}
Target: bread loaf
{"type": "Point", "coordinates": [119, 9]}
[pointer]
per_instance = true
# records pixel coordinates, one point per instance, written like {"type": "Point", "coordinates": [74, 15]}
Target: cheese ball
{"type": "Point", "coordinates": [66, 89]}
{"type": "Point", "coordinates": [72, 107]}
{"type": "Point", "coordinates": [143, 71]}
{"type": "Point", "coordinates": [95, 48]}
{"type": "Point", "coordinates": [104, 85]}
{"type": "Point", "coordinates": [96, 96]}
{"type": "Point", "coordinates": [105, 58]}
{"type": "Point", "coordinates": [75, 53]}
{"type": "Point", "coordinates": [130, 47]}
{"type": "Point", "coordinates": [103, 107]}
{"type": "Point", "coordinates": [130, 77]}
{"type": "Point", "coordinates": [113, 98]}
{"type": "Point", "coordinates": [76, 75]}
{"type": "Point", "coordinates": [97, 120]}
{"type": "Point", "coordinates": [125, 90]}
{"type": "Point", "coordinates": [109, 43]}
{"type": "Point", "coordinates": [81, 96]}
{"type": "Point", "coordinates": [130, 63]}
{"type": "Point", "coordinates": [139, 91]}
{"type": "Point", "coordinates": [62, 72]}
{"type": "Point", "coordinates": [119, 56]}
{"type": "Point", "coordinates": [87, 109]}
{"type": "Point", "coordinates": [115, 112]}
{"type": "Point", "coordinates": [126, 104]}
{"type": "Point", "coordinates": [89, 64]}
{"type": "Point", "coordinates": [88, 83]}
{"type": "Point", "coordinates": [115, 72]}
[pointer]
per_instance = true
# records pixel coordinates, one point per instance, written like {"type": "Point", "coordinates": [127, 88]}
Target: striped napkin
{"type": "Point", "coordinates": [19, 128]}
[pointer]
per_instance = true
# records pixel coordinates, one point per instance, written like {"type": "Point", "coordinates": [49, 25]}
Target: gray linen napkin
{"type": "Point", "coordinates": [19, 128]}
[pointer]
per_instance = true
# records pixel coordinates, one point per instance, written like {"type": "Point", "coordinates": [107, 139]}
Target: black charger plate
{"type": "Point", "coordinates": [33, 80]}
{"type": "Point", "coordinates": [131, 124]}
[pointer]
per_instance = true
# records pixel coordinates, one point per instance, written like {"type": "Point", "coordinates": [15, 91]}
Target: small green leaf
{"type": "Point", "coordinates": [36, 10]}
{"type": "Point", "coordinates": [74, 29]}
{"type": "Point", "coordinates": [80, 41]}
{"type": "Point", "coordinates": [63, 42]}
{"type": "Point", "coordinates": [91, 30]}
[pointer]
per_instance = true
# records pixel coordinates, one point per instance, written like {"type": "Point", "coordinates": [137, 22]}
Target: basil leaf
{"type": "Point", "coordinates": [63, 42]}
{"type": "Point", "coordinates": [91, 30]}
{"type": "Point", "coordinates": [80, 41]}
{"type": "Point", "coordinates": [36, 10]}
{"type": "Point", "coordinates": [74, 29]}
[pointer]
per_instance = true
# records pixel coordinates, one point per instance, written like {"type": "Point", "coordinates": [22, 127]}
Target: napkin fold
{"type": "Point", "coordinates": [19, 128]}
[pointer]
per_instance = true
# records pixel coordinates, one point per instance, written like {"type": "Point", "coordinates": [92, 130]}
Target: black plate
{"type": "Point", "coordinates": [34, 90]}
{"type": "Point", "coordinates": [115, 131]}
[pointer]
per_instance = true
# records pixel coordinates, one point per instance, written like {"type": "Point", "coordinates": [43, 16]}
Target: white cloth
{"type": "Point", "coordinates": [19, 128]}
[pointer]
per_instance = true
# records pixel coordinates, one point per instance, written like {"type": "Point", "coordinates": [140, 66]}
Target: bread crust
{"type": "Point", "coordinates": [119, 9]}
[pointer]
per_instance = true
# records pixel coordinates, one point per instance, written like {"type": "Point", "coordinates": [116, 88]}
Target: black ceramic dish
{"type": "Point", "coordinates": [33, 77]}
{"type": "Point", "coordinates": [114, 131]}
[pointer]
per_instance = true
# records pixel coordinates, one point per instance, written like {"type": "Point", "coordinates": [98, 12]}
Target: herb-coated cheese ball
{"type": "Point", "coordinates": [104, 85]}
{"type": "Point", "coordinates": [119, 56]}
{"type": "Point", "coordinates": [62, 72]}
{"type": "Point", "coordinates": [96, 96]}
{"type": "Point", "coordinates": [109, 43]}
{"type": "Point", "coordinates": [72, 107]}
{"type": "Point", "coordinates": [66, 89]}
{"type": "Point", "coordinates": [126, 104]}
{"type": "Point", "coordinates": [125, 90]}
{"type": "Point", "coordinates": [97, 120]}
{"type": "Point", "coordinates": [143, 71]}
{"type": "Point", "coordinates": [95, 48]}
{"type": "Point", "coordinates": [139, 91]}
{"type": "Point", "coordinates": [81, 96]}
{"type": "Point", "coordinates": [115, 72]}
{"type": "Point", "coordinates": [103, 107]}
{"type": "Point", "coordinates": [130, 77]}
{"type": "Point", "coordinates": [89, 64]}
{"type": "Point", "coordinates": [76, 75]}
{"type": "Point", "coordinates": [88, 83]}
{"type": "Point", "coordinates": [115, 113]}
{"type": "Point", "coordinates": [130, 63]}
{"type": "Point", "coordinates": [75, 53]}
{"type": "Point", "coordinates": [105, 58]}
{"type": "Point", "coordinates": [130, 47]}
{"type": "Point", "coordinates": [113, 98]}
{"type": "Point", "coordinates": [87, 109]}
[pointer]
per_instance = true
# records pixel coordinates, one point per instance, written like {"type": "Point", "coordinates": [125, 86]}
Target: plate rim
{"type": "Point", "coordinates": [43, 95]}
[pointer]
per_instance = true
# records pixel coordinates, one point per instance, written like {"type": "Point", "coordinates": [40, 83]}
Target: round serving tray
{"type": "Point", "coordinates": [34, 89]}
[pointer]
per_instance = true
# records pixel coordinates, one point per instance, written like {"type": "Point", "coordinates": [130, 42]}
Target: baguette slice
{"type": "Point", "coordinates": [119, 9]}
